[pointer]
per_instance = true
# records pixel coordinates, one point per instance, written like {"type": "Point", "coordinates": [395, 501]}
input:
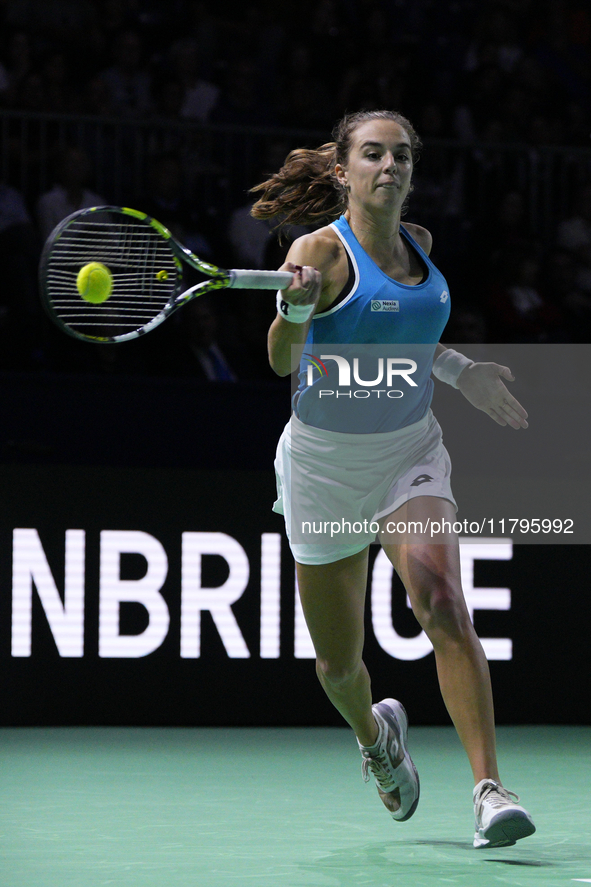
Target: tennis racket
{"type": "Point", "coordinates": [146, 264]}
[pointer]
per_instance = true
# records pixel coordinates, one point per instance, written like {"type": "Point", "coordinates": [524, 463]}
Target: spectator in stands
{"type": "Point", "coordinates": [438, 198]}
{"type": "Point", "coordinates": [561, 289]}
{"type": "Point", "coordinates": [242, 100]}
{"type": "Point", "coordinates": [188, 345]}
{"type": "Point", "coordinates": [70, 191]}
{"type": "Point", "coordinates": [516, 113]}
{"type": "Point", "coordinates": [127, 81]}
{"type": "Point", "coordinates": [467, 324]}
{"type": "Point", "coordinates": [30, 93]}
{"type": "Point", "coordinates": [204, 27]}
{"type": "Point", "coordinates": [114, 16]}
{"type": "Point", "coordinates": [328, 33]}
{"type": "Point", "coordinates": [496, 71]}
{"type": "Point", "coordinates": [561, 49]}
{"type": "Point", "coordinates": [167, 200]}
{"type": "Point", "coordinates": [253, 241]}
{"type": "Point", "coordinates": [19, 64]}
{"type": "Point", "coordinates": [199, 96]}
{"type": "Point", "coordinates": [97, 97]}
{"type": "Point", "coordinates": [439, 187]}
{"type": "Point", "coordinates": [517, 308]}
{"type": "Point", "coordinates": [59, 94]}
{"type": "Point", "coordinates": [13, 212]}
{"type": "Point", "coordinates": [201, 343]}
{"type": "Point", "coordinates": [302, 94]}
{"type": "Point", "coordinates": [574, 236]}
{"type": "Point", "coordinates": [248, 238]}
{"type": "Point", "coordinates": [4, 83]}
{"type": "Point", "coordinates": [19, 303]}
{"type": "Point", "coordinates": [495, 39]}
{"type": "Point", "coordinates": [577, 123]}
{"type": "Point", "coordinates": [168, 97]}
{"type": "Point", "coordinates": [502, 237]}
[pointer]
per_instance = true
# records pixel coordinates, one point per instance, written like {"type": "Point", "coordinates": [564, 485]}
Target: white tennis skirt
{"type": "Point", "coordinates": [332, 487]}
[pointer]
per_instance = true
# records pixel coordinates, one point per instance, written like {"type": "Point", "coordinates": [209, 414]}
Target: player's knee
{"type": "Point", "coordinates": [443, 610]}
{"type": "Point", "coordinates": [337, 671]}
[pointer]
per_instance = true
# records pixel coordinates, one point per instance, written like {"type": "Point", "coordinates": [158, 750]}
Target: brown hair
{"type": "Point", "coordinates": [305, 191]}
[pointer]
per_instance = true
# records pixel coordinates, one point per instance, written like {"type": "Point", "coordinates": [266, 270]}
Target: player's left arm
{"type": "Point", "coordinates": [481, 383]}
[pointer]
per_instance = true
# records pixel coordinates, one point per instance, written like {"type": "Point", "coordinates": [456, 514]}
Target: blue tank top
{"type": "Point", "coordinates": [367, 362]}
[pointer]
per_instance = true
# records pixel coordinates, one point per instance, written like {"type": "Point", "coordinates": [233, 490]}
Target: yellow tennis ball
{"type": "Point", "coordinates": [95, 282]}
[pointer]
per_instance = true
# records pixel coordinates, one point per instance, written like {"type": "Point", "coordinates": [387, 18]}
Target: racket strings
{"type": "Point", "coordinates": [142, 264]}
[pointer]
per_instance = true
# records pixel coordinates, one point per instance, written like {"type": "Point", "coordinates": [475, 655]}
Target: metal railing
{"type": "Point", "coordinates": [220, 163]}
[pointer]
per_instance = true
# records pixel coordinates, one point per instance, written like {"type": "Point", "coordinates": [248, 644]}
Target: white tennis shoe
{"type": "Point", "coordinates": [499, 820]}
{"type": "Point", "coordinates": [389, 762]}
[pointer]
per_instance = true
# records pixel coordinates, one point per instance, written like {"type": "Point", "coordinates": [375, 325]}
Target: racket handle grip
{"type": "Point", "coordinates": [260, 280]}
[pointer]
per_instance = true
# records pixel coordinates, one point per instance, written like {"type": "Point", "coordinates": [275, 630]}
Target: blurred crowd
{"type": "Point", "coordinates": [476, 71]}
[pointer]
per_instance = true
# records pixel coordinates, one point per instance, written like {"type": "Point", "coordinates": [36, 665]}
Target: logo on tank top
{"type": "Point", "coordinates": [314, 361]}
{"type": "Point", "coordinates": [385, 305]}
{"type": "Point", "coordinates": [444, 296]}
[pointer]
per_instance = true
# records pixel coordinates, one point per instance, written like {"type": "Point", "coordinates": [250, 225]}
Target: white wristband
{"type": "Point", "coordinates": [449, 365]}
{"type": "Point", "coordinates": [293, 313]}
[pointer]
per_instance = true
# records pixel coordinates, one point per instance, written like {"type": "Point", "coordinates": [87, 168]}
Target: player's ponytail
{"type": "Point", "coordinates": [304, 191]}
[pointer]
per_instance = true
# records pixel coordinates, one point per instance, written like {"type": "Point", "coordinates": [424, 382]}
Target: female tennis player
{"type": "Point", "coordinates": [374, 463]}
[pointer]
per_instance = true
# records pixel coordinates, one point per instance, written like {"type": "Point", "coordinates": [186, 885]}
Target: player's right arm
{"type": "Point", "coordinates": [313, 260]}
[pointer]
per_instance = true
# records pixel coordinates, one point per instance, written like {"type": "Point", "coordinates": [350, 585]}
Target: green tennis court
{"type": "Point", "coordinates": [213, 807]}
